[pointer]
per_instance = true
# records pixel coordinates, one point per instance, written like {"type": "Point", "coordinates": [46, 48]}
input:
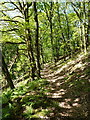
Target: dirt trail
{"type": "Point", "coordinates": [68, 84]}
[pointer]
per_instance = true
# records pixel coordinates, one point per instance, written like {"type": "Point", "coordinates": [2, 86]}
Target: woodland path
{"type": "Point", "coordinates": [68, 83]}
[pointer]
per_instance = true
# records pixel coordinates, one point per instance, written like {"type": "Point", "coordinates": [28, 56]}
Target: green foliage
{"type": "Point", "coordinates": [7, 107]}
{"type": "Point", "coordinates": [60, 30]}
{"type": "Point", "coordinates": [29, 96]}
{"type": "Point", "coordinates": [6, 96]}
{"type": "Point", "coordinates": [28, 112]}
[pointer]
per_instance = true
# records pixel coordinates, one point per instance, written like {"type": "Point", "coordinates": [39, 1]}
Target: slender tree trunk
{"type": "Point", "coordinates": [57, 50]}
{"type": "Point", "coordinates": [7, 74]}
{"type": "Point", "coordinates": [84, 28]}
{"type": "Point", "coordinates": [49, 16]}
{"type": "Point", "coordinates": [51, 36]}
{"type": "Point", "coordinates": [29, 43]}
{"type": "Point", "coordinates": [42, 54]}
{"type": "Point", "coordinates": [68, 30]}
{"type": "Point", "coordinates": [81, 39]}
{"type": "Point", "coordinates": [59, 20]}
{"type": "Point", "coordinates": [51, 31]}
{"type": "Point", "coordinates": [82, 17]}
{"type": "Point", "coordinates": [88, 28]}
{"type": "Point", "coordinates": [88, 42]}
{"type": "Point", "coordinates": [84, 38]}
{"type": "Point", "coordinates": [31, 55]}
{"type": "Point", "coordinates": [68, 34]}
{"type": "Point", "coordinates": [37, 40]}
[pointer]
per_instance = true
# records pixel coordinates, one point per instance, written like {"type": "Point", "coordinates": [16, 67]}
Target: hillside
{"type": "Point", "coordinates": [70, 87]}
{"type": "Point", "coordinates": [45, 60]}
{"type": "Point", "coordinates": [62, 94]}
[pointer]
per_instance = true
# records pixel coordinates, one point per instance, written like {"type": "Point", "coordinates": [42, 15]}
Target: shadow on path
{"type": "Point", "coordinates": [69, 89]}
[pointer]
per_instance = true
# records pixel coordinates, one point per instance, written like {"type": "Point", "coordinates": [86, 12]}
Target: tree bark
{"type": "Point", "coordinates": [49, 16]}
{"type": "Point", "coordinates": [29, 43]}
{"type": "Point", "coordinates": [88, 28]}
{"type": "Point", "coordinates": [59, 20]}
{"type": "Point", "coordinates": [51, 30]}
{"type": "Point", "coordinates": [7, 74]}
{"type": "Point", "coordinates": [37, 40]}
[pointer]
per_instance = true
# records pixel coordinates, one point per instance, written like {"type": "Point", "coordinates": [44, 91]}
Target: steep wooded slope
{"type": "Point", "coordinates": [69, 88]}
{"type": "Point", "coordinates": [63, 94]}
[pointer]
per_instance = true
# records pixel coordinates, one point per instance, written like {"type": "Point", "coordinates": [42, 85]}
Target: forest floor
{"type": "Point", "coordinates": [68, 85]}
{"type": "Point", "coordinates": [61, 94]}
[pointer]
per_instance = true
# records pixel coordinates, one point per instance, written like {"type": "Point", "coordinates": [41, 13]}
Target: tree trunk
{"type": "Point", "coordinates": [37, 40]}
{"type": "Point", "coordinates": [59, 20]}
{"type": "Point", "coordinates": [49, 16]}
{"type": "Point", "coordinates": [29, 43]}
{"type": "Point", "coordinates": [51, 30]}
{"type": "Point", "coordinates": [81, 39]}
{"type": "Point", "coordinates": [42, 53]}
{"type": "Point", "coordinates": [32, 61]}
{"type": "Point", "coordinates": [7, 74]}
{"type": "Point", "coordinates": [84, 38]}
{"type": "Point", "coordinates": [67, 34]}
{"type": "Point", "coordinates": [84, 28]}
{"type": "Point", "coordinates": [88, 28]}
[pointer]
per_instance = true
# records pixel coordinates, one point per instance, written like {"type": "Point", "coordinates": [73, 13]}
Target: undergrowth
{"type": "Point", "coordinates": [26, 101]}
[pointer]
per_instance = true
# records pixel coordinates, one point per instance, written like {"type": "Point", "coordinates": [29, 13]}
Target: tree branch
{"type": "Point", "coordinates": [9, 30]}
{"type": "Point", "coordinates": [18, 16]}
{"type": "Point", "coordinates": [9, 20]}
{"type": "Point", "coordinates": [16, 6]}
{"type": "Point", "coordinates": [15, 43]}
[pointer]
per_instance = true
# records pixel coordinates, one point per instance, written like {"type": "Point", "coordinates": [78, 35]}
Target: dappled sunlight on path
{"type": "Point", "coordinates": [68, 83]}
